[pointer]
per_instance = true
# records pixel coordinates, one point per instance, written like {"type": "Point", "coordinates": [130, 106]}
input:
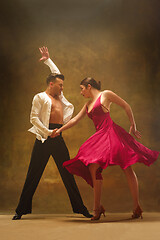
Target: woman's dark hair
{"type": "Point", "coordinates": [92, 82]}
{"type": "Point", "coordinates": [52, 77]}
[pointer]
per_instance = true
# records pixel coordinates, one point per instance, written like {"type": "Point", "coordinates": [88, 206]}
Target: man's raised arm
{"type": "Point", "coordinates": [45, 57]}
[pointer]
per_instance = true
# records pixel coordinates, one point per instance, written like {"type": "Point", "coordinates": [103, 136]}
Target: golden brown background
{"type": "Point", "coordinates": [115, 41]}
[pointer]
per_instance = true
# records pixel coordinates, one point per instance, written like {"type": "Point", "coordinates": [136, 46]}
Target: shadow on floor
{"type": "Point", "coordinates": [110, 218]}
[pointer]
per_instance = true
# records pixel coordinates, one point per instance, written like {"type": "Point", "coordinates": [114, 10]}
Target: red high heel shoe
{"type": "Point", "coordinates": [137, 213]}
{"type": "Point", "coordinates": [98, 213]}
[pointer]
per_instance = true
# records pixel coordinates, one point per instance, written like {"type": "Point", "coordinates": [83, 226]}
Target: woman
{"type": "Point", "coordinates": [110, 145]}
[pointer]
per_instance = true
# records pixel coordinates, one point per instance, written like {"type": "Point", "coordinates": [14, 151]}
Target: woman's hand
{"type": "Point", "coordinates": [134, 131]}
{"type": "Point", "coordinates": [54, 133]}
{"type": "Point", "coordinates": [57, 132]}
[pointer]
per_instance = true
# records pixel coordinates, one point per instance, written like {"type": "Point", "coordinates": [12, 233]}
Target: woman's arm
{"type": "Point", "coordinates": [73, 121]}
{"type": "Point", "coordinates": [112, 97]}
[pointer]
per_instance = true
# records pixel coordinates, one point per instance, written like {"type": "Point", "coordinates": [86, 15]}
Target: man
{"type": "Point", "coordinates": [50, 109]}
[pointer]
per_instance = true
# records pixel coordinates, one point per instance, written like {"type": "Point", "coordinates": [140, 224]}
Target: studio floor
{"type": "Point", "coordinates": [115, 226]}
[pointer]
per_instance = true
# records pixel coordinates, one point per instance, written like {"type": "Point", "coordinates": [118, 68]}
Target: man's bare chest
{"type": "Point", "coordinates": [56, 105]}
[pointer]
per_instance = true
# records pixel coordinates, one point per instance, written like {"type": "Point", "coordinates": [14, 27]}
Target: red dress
{"type": "Point", "coordinates": [110, 145]}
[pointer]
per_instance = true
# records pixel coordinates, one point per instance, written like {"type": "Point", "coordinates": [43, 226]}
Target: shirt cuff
{"type": "Point", "coordinates": [50, 132]}
{"type": "Point", "coordinates": [48, 61]}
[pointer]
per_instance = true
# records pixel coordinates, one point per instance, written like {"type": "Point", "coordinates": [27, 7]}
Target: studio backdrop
{"type": "Point", "coordinates": [115, 41]}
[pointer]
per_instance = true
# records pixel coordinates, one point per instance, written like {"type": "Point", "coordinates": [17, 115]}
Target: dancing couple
{"type": "Point", "coordinates": [110, 145]}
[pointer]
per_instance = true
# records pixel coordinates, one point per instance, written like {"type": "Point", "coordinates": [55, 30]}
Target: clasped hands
{"type": "Point", "coordinates": [55, 133]}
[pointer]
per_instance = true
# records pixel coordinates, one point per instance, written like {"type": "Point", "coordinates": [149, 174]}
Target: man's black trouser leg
{"type": "Point", "coordinates": [40, 155]}
{"type": "Point", "coordinates": [39, 159]}
{"type": "Point", "coordinates": [60, 154]}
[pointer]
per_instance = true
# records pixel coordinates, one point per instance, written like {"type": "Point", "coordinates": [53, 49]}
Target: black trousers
{"type": "Point", "coordinates": [39, 158]}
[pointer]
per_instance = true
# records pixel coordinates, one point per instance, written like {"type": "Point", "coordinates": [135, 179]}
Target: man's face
{"type": "Point", "coordinates": [57, 86]}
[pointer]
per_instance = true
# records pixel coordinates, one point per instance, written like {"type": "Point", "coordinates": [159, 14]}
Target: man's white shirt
{"type": "Point", "coordinates": [41, 109]}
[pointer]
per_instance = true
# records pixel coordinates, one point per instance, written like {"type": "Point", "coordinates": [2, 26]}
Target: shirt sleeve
{"type": "Point", "coordinates": [34, 116]}
{"type": "Point", "coordinates": [52, 66]}
{"type": "Point", "coordinates": [68, 109]}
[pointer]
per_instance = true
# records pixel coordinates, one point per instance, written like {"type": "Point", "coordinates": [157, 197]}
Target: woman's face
{"type": "Point", "coordinates": [85, 92]}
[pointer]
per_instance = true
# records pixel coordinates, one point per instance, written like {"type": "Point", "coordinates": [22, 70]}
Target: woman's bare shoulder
{"type": "Point", "coordinates": [107, 92]}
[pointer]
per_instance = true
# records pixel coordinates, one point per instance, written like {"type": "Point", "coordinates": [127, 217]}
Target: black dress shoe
{"type": "Point", "coordinates": [85, 213]}
{"type": "Point", "coordinates": [16, 217]}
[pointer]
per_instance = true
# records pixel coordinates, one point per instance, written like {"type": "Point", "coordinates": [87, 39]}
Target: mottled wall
{"type": "Point", "coordinates": [115, 41]}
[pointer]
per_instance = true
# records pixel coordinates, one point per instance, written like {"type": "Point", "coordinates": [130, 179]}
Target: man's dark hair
{"type": "Point", "coordinates": [52, 77]}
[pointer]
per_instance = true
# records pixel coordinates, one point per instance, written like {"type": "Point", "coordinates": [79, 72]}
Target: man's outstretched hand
{"type": "Point", "coordinates": [44, 52]}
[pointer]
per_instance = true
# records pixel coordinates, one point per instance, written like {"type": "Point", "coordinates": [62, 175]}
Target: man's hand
{"type": "Point", "coordinates": [54, 133]}
{"type": "Point", "coordinates": [135, 132]}
{"type": "Point", "coordinates": [44, 52]}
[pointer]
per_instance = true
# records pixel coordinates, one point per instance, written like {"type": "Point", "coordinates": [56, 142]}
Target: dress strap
{"type": "Point", "coordinates": [105, 107]}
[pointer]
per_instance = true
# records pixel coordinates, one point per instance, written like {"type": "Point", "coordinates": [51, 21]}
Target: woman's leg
{"type": "Point", "coordinates": [97, 185]}
{"type": "Point", "coordinates": [133, 185]}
